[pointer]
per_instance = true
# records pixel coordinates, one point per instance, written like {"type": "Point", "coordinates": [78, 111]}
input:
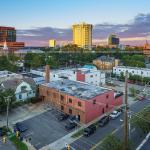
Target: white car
{"type": "Point", "coordinates": [115, 114]}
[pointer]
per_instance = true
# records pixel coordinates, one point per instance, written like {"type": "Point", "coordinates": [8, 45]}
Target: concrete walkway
{"type": "Point", "coordinates": [62, 142]}
{"type": "Point", "coordinates": [30, 147]}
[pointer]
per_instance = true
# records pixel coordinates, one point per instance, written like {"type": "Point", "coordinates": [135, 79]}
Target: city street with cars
{"type": "Point", "coordinates": [114, 126]}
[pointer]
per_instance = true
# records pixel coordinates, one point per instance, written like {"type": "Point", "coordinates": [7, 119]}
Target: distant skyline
{"type": "Point", "coordinates": [37, 21]}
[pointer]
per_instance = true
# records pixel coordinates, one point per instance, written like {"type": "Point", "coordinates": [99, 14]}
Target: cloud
{"type": "Point", "coordinates": [133, 32]}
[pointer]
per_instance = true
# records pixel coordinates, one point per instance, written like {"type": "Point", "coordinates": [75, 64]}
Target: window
{"type": "Point", "coordinates": [20, 96]}
{"type": "Point", "coordinates": [106, 105]}
{"type": "Point", "coordinates": [79, 104]}
{"type": "Point", "coordinates": [48, 93]}
{"type": "Point", "coordinates": [62, 97]}
{"type": "Point", "coordinates": [107, 96]}
{"type": "Point", "coordinates": [23, 87]}
{"type": "Point", "coordinates": [70, 100]}
{"type": "Point", "coordinates": [62, 107]}
{"type": "Point", "coordinates": [94, 101]}
{"type": "Point", "coordinates": [54, 95]}
{"type": "Point", "coordinates": [103, 111]}
{"type": "Point", "coordinates": [70, 111]}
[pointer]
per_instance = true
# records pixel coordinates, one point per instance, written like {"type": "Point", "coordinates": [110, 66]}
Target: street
{"type": "Point", "coordinates": [114, 126]}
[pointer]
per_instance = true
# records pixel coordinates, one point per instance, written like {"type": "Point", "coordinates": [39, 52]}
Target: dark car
{"type": "Point", "coordinates": [89, 130]}
{"type": "Point", "coordinates": [141, 98]}
{"type": "Point", "coordinates": [2, 133]}
{"type": "Point", "coordinates": [70, 126]}
{"type": "Point", "coordinates": [63, 117]}
{"type": "Point", "coordinates": [72, 119]}
{"type": "Point", "coordinates": [103, 121]}
{"type": "Point", "coordinates": [20, 127]}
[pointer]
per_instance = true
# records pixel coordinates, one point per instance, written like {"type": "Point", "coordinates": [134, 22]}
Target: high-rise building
{"type": "Point", "coordinates": [113, 40]}
{"type": "Point", "coordinates": [52, 43]}
{"type": "Point", "coordinates": [82, 35]}
{"type": "Point", "coordinates": [8, 36]}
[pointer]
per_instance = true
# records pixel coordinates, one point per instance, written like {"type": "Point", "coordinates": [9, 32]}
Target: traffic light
{"type": "Point", "coordinates": [4, 139]}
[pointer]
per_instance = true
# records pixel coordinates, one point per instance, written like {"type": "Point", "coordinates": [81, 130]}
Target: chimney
{"type": "Point", "coordinates": [47, 74]}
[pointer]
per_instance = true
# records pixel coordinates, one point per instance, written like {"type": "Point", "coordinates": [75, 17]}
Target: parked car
{"type": "Point", "coordinates": [2, 132]}
{"type": "Point", "coordinates": [70, 126]}
{"type": "Point", "coordinates": [89, 130]}
{"type": "Point", "coordinates": [72, 118]}
{"type": "Point", "coordinates": [121, 109]}
{"type": "Point", "coordinates": [115, 114]}
{"type": "Point", "coordinates": [20, 127]}
{"type": "Point", "coordinates": [103, 121]}
{"type": "Point", "coordinates": [63, 117]}
{"type": "Point", "coordinates": [141, 98]}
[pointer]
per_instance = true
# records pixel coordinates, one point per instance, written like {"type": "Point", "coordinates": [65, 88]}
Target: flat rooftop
{"type": "Point", "coordinates": [77, 89]}
{"type": "Point", "coordinates": [31, 75]}
{"type": "Point", "coordinates": [65, 70]}
{"type": "Point", "coordinates": [135, 68]}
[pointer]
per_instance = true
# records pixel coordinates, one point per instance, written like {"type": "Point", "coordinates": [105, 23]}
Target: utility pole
{"type": "Point", "coordinates": [126, 114]}
{"type": "Point", "coordinates": [7, 100]}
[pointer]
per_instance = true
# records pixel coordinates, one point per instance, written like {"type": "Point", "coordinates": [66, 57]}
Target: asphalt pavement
{"type": "Point", "coordinates": [86, 143]}
{"type": "Point", "coordinates": [44, 129]}
{"type": "Point", "coordinates": [7, 146]}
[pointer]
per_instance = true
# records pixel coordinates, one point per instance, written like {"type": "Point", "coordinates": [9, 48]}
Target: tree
{"type": "Point", "coordinates": [4, 94]}
{"type": "Point", "coordinates": [141, 120]}
{"type": "Point", "coordinates": [122, 77]}
{"type": "Point", "coordinates": [5, 64]}
{"type": "Point", "coordinates": [134, 61]}
{"type": "Point", "coordinates": [36, 61]}
{"type": "Point", "coordinates": [13, 58]}
{"type": "Point", "coordinates": [133, 91]}
{"type": "Point", "coordinates": [111, 143]}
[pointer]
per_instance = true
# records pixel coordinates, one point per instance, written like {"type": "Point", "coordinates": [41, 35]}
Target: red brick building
{"type": "Point", "coordinates": [85, 101]}
{"type": "Point", "coordinates": [8, 34]}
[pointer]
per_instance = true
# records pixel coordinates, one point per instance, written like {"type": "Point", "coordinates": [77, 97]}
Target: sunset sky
{"type": "Point", "coordinates": [37, 21]}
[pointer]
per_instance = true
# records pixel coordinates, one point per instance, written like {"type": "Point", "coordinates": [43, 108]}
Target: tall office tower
{"type": "Point", "coordinates": [113, 39]}
{"type": "Point", "coordinates": [8, 36]}
{"type": "Point", "coordinates": [82, 35]}
{"type": "Point", "coordinates": [52, 43]}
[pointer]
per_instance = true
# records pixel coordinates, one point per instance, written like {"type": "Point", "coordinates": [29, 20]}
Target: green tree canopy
{"type": "Point", "coordinates": [5, 64]}
{"type": "Point", "coordinates": [111, 143]}
{"type": "Point", "coordinates": [4, 94]}
{"type": "Point", "coordinates": [141, 120]}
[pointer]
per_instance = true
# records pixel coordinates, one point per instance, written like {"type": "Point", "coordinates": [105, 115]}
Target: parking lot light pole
{"type": "Point", "coordinates": [7, 100]}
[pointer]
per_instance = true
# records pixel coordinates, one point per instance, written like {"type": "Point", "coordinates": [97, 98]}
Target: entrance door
{"type": "Point", "coordinates": [78, 117]}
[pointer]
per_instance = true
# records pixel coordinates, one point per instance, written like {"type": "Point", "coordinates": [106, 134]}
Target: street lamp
{"type": "Point", "coordinates": [7, 100]}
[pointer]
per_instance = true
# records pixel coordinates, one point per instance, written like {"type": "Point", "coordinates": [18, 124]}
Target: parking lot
{"type": "Point", "coordinates": [44, 129]}
{"type": "Point", "coordinates": [7, 146]}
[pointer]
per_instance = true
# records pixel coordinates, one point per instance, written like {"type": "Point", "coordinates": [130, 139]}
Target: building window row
{"type": "Point", "coordinates": [79, 103]}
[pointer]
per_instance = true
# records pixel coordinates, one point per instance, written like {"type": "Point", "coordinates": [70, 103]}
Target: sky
{"type": "Point", "coordinates": [37, 21]}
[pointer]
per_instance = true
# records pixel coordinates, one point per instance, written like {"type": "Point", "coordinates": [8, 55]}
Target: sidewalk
{"type": "Point", "coordinates": [30, 147]}
{"type": "Point", "coordinates": [60, 143]}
